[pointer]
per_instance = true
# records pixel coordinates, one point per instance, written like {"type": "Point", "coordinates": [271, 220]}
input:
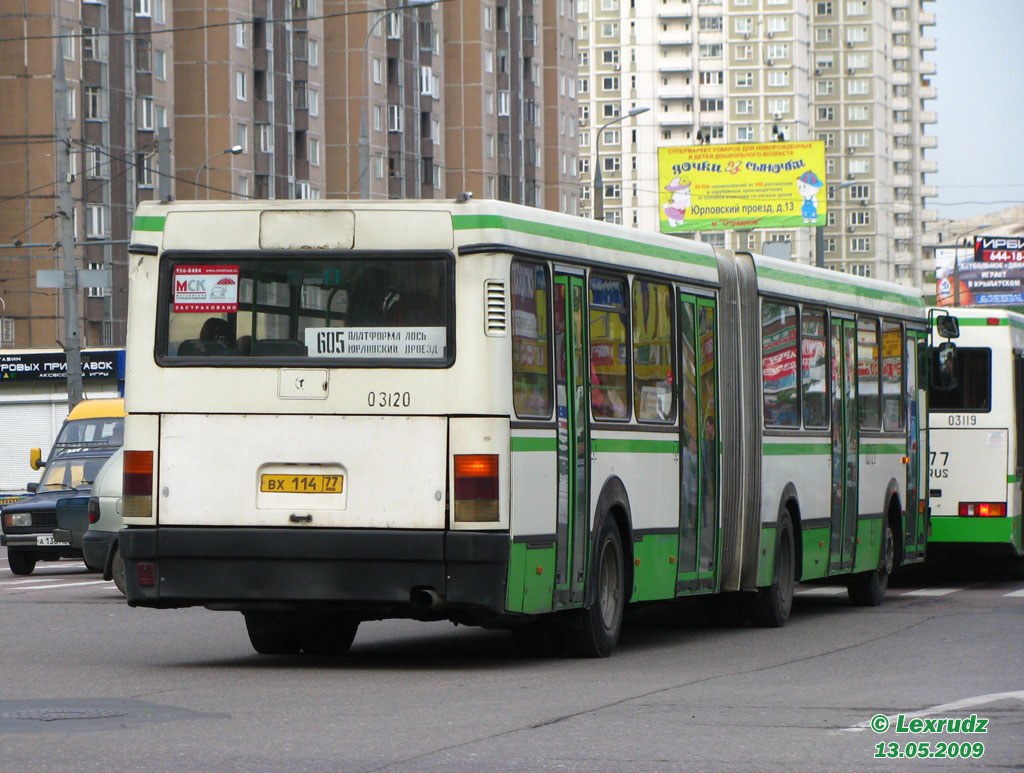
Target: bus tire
{"type": "Point", "coordinates": [21, 561]}
{"type": "Point", "coordinates": [273, 633]}
{"type": "Point", "coordinates": [117, 571]}
{"type": "Point", "coordinates": [593, 632]}
{"type": "Point", "coordinates": [868, 588]}
{"type": "Point", "coordinates": [771, 606]}
{"type": "Point", "coordinates": [332, 636]}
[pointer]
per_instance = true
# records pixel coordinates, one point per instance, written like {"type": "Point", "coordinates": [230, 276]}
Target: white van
{"type": "Point", "coordinates": [99, 544]}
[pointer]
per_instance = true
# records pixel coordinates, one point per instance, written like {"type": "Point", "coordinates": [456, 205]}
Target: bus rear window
{"type": "Point", "coordinates": [362, 312]}
{"type": "Point", "coordinates": [973, 392]}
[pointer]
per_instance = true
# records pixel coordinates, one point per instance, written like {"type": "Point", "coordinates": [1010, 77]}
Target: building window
{"type": "Point", "coordinates": [744, 52]}
{"type": "Point", "coordinates": [860, 244]}
{"type": "Point", "coordinates": [824, 88]}
{"type": "Point", "coordinates": [143, 8]}
{"type": "Point", "coordinates": [96, 221]}
{"type": "Point", "coordinates": [611, 137]}
{"type": "Point", "coordinates": [744, 107]}
{"type": "Point", "coordinates": [744, 79]}
{"type": "Point", "coordinates": [90, 43]}
{"type": "Point", "coordinates": [745, 134]}
{"type": "Point", "coordinates": [610, 83]}
{"type": "Point", "coordinates": [242, 136]}
{"type": "Point", "coordinates": [711, 77]}
{"type": "Point", "coordinates": [146, 113]}
{"type": "Point", "coordinates": [609, 29]}
{"type": "Point", "coordinates": [858, 112]}
{"type": "Point", "coordinates": [857, 87]}
{"type": "Point", "coordinates": [823, 34]}
{"type": "Point", "coordinates": [778, 25]}
{"type": "Point", "coordinates": [776, 51]}
{"type": "Point", "coordinates": [313, 97]}
{"type": "Point", "coordinates": [826, 113]}
{"type": "Point", "coordinates": [160, 65]}
{"type": "Point", "coordinates": [93, 104]}
{"type": "Point", "coordinates": [778, 78]}
{"type": "Point", "coordinates": [860, 217]}
{"type": "Point", "coordinates": [394, 118]}
{"type": "Point", "coordinates": [778, 106]}
{"type": "Point", "coordinates": [504, 103]}
{"type": "Point", "coordinates": [266, 135]}
{"type": "Point", "coordinates": [143, 170]}
{"type": "Point", "coordinates": [240, 87]}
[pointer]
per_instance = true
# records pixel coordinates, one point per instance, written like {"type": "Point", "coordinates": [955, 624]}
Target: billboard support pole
{"type": "Point", "coordinates": [819, 246]}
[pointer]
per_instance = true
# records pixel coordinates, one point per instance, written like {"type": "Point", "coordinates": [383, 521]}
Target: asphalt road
{"type": "Point", "coordinates": [87, 683]}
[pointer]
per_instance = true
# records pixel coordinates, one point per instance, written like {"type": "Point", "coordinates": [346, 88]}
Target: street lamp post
{"type": "Point", "coordinates": [364, 131]}
{"type": "Point", "coordinates": [234, 150]}
{"type": "Point", "coordinates": [819, 230]}
{"type": "Point", "coordinates": [598, 179]}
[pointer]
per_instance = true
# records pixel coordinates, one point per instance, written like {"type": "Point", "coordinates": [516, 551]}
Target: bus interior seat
{"type": "Point", "coordinates": [278, 347]}
{"type": "Point", "coordinates": [195, 347]}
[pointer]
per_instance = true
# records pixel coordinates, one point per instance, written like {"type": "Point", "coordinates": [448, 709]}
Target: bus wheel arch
{"type": "Point", "coordinates": [789, 502]}
{"type": "Point", "coordinates": [771, 606]}
{"type": "Point", "coordinates": [893, 512]}
{"type": "Point", "coordinates": [613, 503]}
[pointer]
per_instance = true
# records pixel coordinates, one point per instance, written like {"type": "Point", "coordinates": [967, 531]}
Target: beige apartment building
{"type": "Point", "coordinates": [266, 99]}
{"type": "Point", "coordinates": [851, 73]}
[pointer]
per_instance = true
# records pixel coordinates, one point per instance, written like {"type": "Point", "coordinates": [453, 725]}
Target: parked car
{"type": "Point", "coordinates": [28, 525]}
{"type": "Point", "coordinates": [99, 545]}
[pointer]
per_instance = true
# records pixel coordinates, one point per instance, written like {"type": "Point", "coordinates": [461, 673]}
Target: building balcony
{"type": "Point", "coordinates": [927, 116]}
{"type": "Point", "coordinates": [901, 78]}
{"type": "Point", "coordinates": [903, 257]}
{"type": "Point", "coordinates": [926, 68]}
{"type": "Point", "coordinates": [927, 166]}
{"type": "Point", "coordinates": [676, 38]}
{"type": "Point", "coordinates": [675, 118]}
{"type": "Point", "coordinates": [926, 44]}
{"type": "Point", "coordinates": [902, 232]}
{"type": "Point", "coordinates": [675, 10]}
{"type": "Point", "coordinates": [929, 141]}
{"type": "Point", "coordinates": [901, 180]}
{"type": "Point", "coordinates": [900, 52]}
{"type": "Point", "coordinates": [929, 238]}
{"type": "Point", "coordinates": [901, 129]}
{"type": "Point", "coordinates": [928, 191]}
{"type": "Point", "coordinates": [901, 103]}
{"type": "Point", "coordinates": [900, 3]}
{"type": "Point", "coordinates": [676, 64]}
{"type": "Point", "coordinates": [901, 207]}
{"type": "Point", "coordinates": [902, 154]}
{"type": "Point", "coordinates": [926, 19]}
{"type": "Point", "coordinates": [926, 92]}
{"type": "Point", "coordinates": [900, 27]}
{"type": "Point", "coordinates": [677, 91]}
{"type": "Point", "coordinates": [929, 216]}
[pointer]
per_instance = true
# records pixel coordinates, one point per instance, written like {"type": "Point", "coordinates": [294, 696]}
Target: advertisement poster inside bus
{"type": "Point", "coordinates": [746, 185]}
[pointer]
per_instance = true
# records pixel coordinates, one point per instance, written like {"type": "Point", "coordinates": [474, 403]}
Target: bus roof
{"type": "Point", "coordinates": [98, 409]}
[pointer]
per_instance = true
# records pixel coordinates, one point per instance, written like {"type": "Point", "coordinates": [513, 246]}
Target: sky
{"type": "Point", "coordinates": [979, 103]}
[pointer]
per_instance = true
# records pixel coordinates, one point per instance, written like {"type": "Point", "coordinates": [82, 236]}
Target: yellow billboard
{"type": "Point", "coordinates": [747, 185]}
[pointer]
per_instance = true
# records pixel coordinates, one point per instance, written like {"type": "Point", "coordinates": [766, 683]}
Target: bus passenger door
{"type": "Point", "coordinates": [845, 446]}
{"type": "Point", "coordinates": [699, 469]}
{"type": "Point", "coordinates": [914, 536]}
{"type": "Point", "coordinates": [573, 453]}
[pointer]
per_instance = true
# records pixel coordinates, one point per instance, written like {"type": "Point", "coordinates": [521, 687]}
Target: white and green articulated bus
{"type": "Point", "coordinates": [343, 411]}
{"type": "Point", "coordinates": [976, 432]}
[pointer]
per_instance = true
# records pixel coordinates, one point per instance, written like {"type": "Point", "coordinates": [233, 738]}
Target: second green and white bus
{"type": "Point", "coordinates": [343, 411]}
{"type": "Point", "coordinates": [977, 428]}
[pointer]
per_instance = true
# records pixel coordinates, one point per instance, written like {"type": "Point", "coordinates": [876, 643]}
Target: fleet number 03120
{"type": "Point", "coordinates": [388, 399]}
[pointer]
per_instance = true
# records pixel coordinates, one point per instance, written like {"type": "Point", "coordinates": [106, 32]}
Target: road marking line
{"type": "Point", "coordinates": [944, 708]}
{"type": "Point", "coordinates": [65, 585]}
{"type": "Point", "coordinates": [1015, 595]}
{"type": "Point", "coordinates": [827, 590]}
{"type": "Point", "coordinates": [36, 581]}
{"type": "Point", "coordinates": [931, 592]}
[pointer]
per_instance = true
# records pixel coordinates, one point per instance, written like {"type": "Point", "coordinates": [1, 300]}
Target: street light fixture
{"type": "Point", "coordinates": [598, 179]}
{"type": "Point", "coordinates": [364, 132]}
{"type": "Point", "coordinates": [234, 150]}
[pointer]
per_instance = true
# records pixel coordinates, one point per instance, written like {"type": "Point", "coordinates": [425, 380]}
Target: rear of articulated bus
{"type": "Point", "coordinates": [312, 440]}
{"type": "Point", "coordinates": [975, 436]}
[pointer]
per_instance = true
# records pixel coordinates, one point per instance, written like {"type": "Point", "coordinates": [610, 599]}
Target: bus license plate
{"type": "Point", "coordinates": [48, 540]}
{"type": "Point", "coordinates": [302, 484]}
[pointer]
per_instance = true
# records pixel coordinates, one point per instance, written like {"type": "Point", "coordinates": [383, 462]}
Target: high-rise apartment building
{"type": "Point", "coordinates": [266, 99]}
{"type": "Point", "coordinates": [850, 73]}
{"type": "Point", "coordinates": [447, 97]}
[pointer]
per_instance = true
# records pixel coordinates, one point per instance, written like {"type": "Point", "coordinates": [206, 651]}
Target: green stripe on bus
{"type": "Point", "coordinates": [469, 222]}
{"type": "Point", "coordinates": [836, 286]}
{"type": "Point", "coordinates": [796, 449]}
{"type": "Point", "coordinates": [533, 444]}
{"type": "Point", "coordinates": [624, 446]}
{"type": "Point", "coordinates": [977, 322]}
{"type": "Point", "coordinates": [150, 223]}
{"type": "Point", "coordinates": [883, 448]}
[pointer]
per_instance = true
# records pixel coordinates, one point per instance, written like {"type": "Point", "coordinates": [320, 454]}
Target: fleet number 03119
{"type": "Point", "coordinates": [962, 420]}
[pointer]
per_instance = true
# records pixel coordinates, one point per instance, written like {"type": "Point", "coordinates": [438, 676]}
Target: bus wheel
{"type": "Point", "coordinates": [771, 606]}
{"type": "Point", "coordinates": [117, 571]}
{"type": "Point", "coordinates": [593, 632]}
{"type": "Point", "coordinates": [21, 561]}
{"type": "Point", "coordinates": [273, 633]}
{"type": "Point", "coordinates": [331, 636]}
{"type": "Point", "coordinates": [868, 589]}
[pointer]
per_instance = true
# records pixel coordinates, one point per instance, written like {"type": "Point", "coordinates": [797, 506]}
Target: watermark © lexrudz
{"type": "Point", "coordinates": [880, 723]}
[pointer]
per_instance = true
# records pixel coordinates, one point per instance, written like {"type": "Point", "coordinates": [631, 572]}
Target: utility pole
{"type": "Point", "coordinates": [65, 209]}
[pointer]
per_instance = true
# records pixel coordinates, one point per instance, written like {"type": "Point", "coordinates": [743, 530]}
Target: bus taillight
{"type": "Point", "coordinates": [476, 488]}
{"type": "Point", "coordinates": [137, 484]}
{"type": "Point", "coordinates": [983, 509]}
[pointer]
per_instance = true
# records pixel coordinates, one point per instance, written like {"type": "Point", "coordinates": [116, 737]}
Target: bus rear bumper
{"type": "Point", "coordinates": [374, 573]}
{"type": "Point", "coordinates": [1002, 533]}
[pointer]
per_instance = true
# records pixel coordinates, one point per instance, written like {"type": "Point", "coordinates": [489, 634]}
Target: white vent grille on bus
{"type": "Point", "coordinates": [494, 308]}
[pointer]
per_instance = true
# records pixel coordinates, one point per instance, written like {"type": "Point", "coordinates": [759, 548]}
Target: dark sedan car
{"type": "Point", "coordinates": [28, 525]}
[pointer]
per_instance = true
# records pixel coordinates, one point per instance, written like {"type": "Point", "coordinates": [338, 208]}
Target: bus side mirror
{"type": "Point", "coordinates": [947, 326]}
{"type": "Point", "coordinates": [35, 459]}
{"type": "Point", "coordinates": [947, 375]}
